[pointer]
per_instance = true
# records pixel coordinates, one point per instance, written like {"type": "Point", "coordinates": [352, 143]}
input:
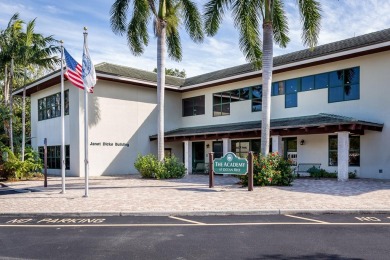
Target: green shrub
{"type": "Point", "coordinates": [174, 167]}
{"type": "Point", "coordinates": [272, 169]}
{"type": "Point", "coordinates": [16, 169]}
{"type": "Point", "coordinates": [149, 167]}
{"type": "Point", "coordinates": [322, 173]}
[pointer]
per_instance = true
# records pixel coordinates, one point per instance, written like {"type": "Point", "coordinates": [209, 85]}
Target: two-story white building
{"type": "Point", "coordinates": [329, 106]}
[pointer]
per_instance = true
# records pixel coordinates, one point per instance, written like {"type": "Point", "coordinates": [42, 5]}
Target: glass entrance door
{"type": "Point", "coordinates": [290, 149]}
{"type": "Point", "coordinates": [197, 155]}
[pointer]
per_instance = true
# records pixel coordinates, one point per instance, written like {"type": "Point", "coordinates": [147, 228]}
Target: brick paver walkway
{"type": "Point", "coordinates": [131, 194]}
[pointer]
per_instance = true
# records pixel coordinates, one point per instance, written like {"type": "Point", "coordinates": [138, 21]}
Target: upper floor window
{"type": "Point", "coordinates": [344, 85]}
{"type": "Point", "coordinates": [193, 106]}
{"type": "Point", "coordinates": [221, 103]}
{"type": "Point", "coordinates": [50, 107]}
{"type": "Point", "coordinates": [291, 88]}
{"type": "Point", "coordinates": [277, 88]}
{"type": "Point", "coordinates": [257, 96]}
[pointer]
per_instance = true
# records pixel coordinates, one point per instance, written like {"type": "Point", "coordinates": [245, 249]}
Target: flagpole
{"type": "Point", "coordinates": [62, 120]}
{"type": "Point", "coordinates": [86, 125]}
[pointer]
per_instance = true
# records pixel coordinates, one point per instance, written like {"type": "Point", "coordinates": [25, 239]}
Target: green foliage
{"type": "Point", "coordinates": [174, 167]}
{"type": "Point", "coordinates": [322, 173]}
{"type": "Point", "coordinates": [174, 72]}
{"type": "Point", "coordinates": [15, 169]}
{"type": "Point", "coordinates": [150, 167]}
{"type": "Point", "coordinates": [269, 170]}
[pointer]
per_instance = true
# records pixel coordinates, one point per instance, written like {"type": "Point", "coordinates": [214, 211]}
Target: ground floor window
{"type": "Point", "coordinates": [242, 147]}
{"type": "Point", "coordinates": [354, 150]}
{"type": "Point", "coordinates": [54, 156]}
{"type": "Point", "coordinates": [218, 149]}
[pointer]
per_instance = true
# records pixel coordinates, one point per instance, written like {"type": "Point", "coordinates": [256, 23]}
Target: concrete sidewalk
{"type": "Point", "coordinates": [131, 195]}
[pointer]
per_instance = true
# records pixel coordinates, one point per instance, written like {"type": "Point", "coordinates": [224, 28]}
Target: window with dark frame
{"type": "Point", "coordinates": [354, 150]}
{"type": "Point", "coordinates": [193, 106]}
{"type": "Point", "coordinates": [54, 156]}
{"type": "Point", "coordinates": [257, 97]}
{"type": "Point", "coordinates": [50, 106]}
{"type": "Point", "coordinates": [291, 90]}
{"type": "Point", "coordinates": [344, 85]}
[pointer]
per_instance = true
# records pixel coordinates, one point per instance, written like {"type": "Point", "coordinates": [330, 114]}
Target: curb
{"type": "Point", "coordinates": [198, 213]}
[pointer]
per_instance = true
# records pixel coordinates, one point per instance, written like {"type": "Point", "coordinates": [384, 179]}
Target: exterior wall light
{"type": "Point", "coordinates": [207, 145]}
{"type": "Point", "coordinates": [302, 142]}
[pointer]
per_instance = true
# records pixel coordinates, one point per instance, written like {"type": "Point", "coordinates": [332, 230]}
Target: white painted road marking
{"type": "Point", "coordinates": [187, 220]}
{"type": "Point", "coordinates": [204, 225]}
{"type": "Point", "coordinates": [314, 220]}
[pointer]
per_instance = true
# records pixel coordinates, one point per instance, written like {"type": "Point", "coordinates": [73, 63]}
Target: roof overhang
{"type": "Point", "coordinates": [55, 78]}
{"type": "Point", "coordinates": [348, 54]}
{"type": "Point", "coordinates": [306, 125]}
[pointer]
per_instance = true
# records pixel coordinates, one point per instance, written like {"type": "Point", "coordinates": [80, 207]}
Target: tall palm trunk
{"type": "Point", "coordinates": [161, 38]}
{"type": "Point", "coordinates": [267, 79]}
{"type": "Point", "coordinates": [24, 116]}
{"type": "Point", "coordinates": [11, 136]}
{"type": "Point", "coordinates": [6, 86]}
{"type": "Point", "coordinates": [6, 97]}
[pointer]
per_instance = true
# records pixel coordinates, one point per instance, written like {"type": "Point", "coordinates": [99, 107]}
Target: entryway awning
{"type": "Point", "coordinates": [304, 125]}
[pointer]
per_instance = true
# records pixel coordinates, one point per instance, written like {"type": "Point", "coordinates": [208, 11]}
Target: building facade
{"type": "Point", "coordinates": [329, 106]}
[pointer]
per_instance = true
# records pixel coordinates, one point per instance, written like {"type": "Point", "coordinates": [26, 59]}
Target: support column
{"type": "Point", "coordinates": [188, 156]}
{"type": "Point", "coordinates": [277, 145]}
{"type": "Point", "coordinates": [225, 145]}
{"type": "Point", "coordinates": [342, 155]}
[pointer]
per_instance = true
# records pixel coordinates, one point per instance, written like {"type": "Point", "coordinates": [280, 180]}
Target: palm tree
{"type": "Point", "coordinates": [248, 15]}
{"type": "Point", "coordinates": [9, 40]}
{"type": "Point", "coordinates": [166, 21]}
{"type": "Point", "coordinates": [35, 51]}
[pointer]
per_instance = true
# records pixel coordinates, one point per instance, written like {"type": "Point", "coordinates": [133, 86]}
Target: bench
{"type": "Point", "coordinates": [305, 167]}
{"type": "Point", "coordinates": [201, 168]}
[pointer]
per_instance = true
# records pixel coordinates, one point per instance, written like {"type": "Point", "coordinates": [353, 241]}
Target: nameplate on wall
{"type": "Point", "coordinates": [109, 144]}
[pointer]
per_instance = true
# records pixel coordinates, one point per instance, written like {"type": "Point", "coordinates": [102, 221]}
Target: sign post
{"type": "Point", "coordinates": [250, 171]}
{"type": "Point", "coordinates": [211, 170]}
{"type": "Point", "coordinates": [45, 161]}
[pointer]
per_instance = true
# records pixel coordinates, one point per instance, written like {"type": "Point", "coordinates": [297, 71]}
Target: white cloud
{"type": "Point", "coordinates": [341, 19]}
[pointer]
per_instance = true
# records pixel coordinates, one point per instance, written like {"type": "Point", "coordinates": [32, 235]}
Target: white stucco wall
{"type": "Point", "coordinates": [51, 128]}
{"type": "Point", "coordinates": [124, 114]}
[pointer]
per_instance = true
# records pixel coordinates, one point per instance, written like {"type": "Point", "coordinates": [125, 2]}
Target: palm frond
{"type": "Point", "coordinates": [118, 15]}
{"type": "Point", "coordinates": [280, 24]}
{"type": "Point", "coordinates": [137, 30]}
{"type": "Point", "coordinates": [192, 20]}
{"type": "Point", "coordinates": [247, 19]}
{"type": "Point", "coordinates": [174, 44]}
{"type": "Point", "coordinates": [310, 11]}
{"type": "Point", "coordinates": [214, 12]}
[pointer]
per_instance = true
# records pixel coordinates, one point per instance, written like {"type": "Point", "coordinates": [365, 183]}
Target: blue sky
{"type": "Point", "coordinates": [65, 20]}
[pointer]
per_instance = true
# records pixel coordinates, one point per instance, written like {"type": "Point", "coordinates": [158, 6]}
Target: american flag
{"type": "Point", "coordinates": [73, 70]}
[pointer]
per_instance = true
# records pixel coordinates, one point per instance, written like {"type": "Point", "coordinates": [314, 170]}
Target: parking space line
{"type": "Point", "coordinates": [314, 220]}
{"type": "Point", "coordinates": [187, 220]}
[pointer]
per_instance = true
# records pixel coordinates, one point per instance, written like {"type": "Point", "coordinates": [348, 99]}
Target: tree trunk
{"type": "Point", "coordinates": [6, 86]}
{"type": "Point", "coordinates": [24, 117]}
{"type": "Point", "coordinates": [11, 136]}
{"type": "Point", "coordinates": [161, 38]}
{"type": "Point", "coordinates": [267, 80]}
